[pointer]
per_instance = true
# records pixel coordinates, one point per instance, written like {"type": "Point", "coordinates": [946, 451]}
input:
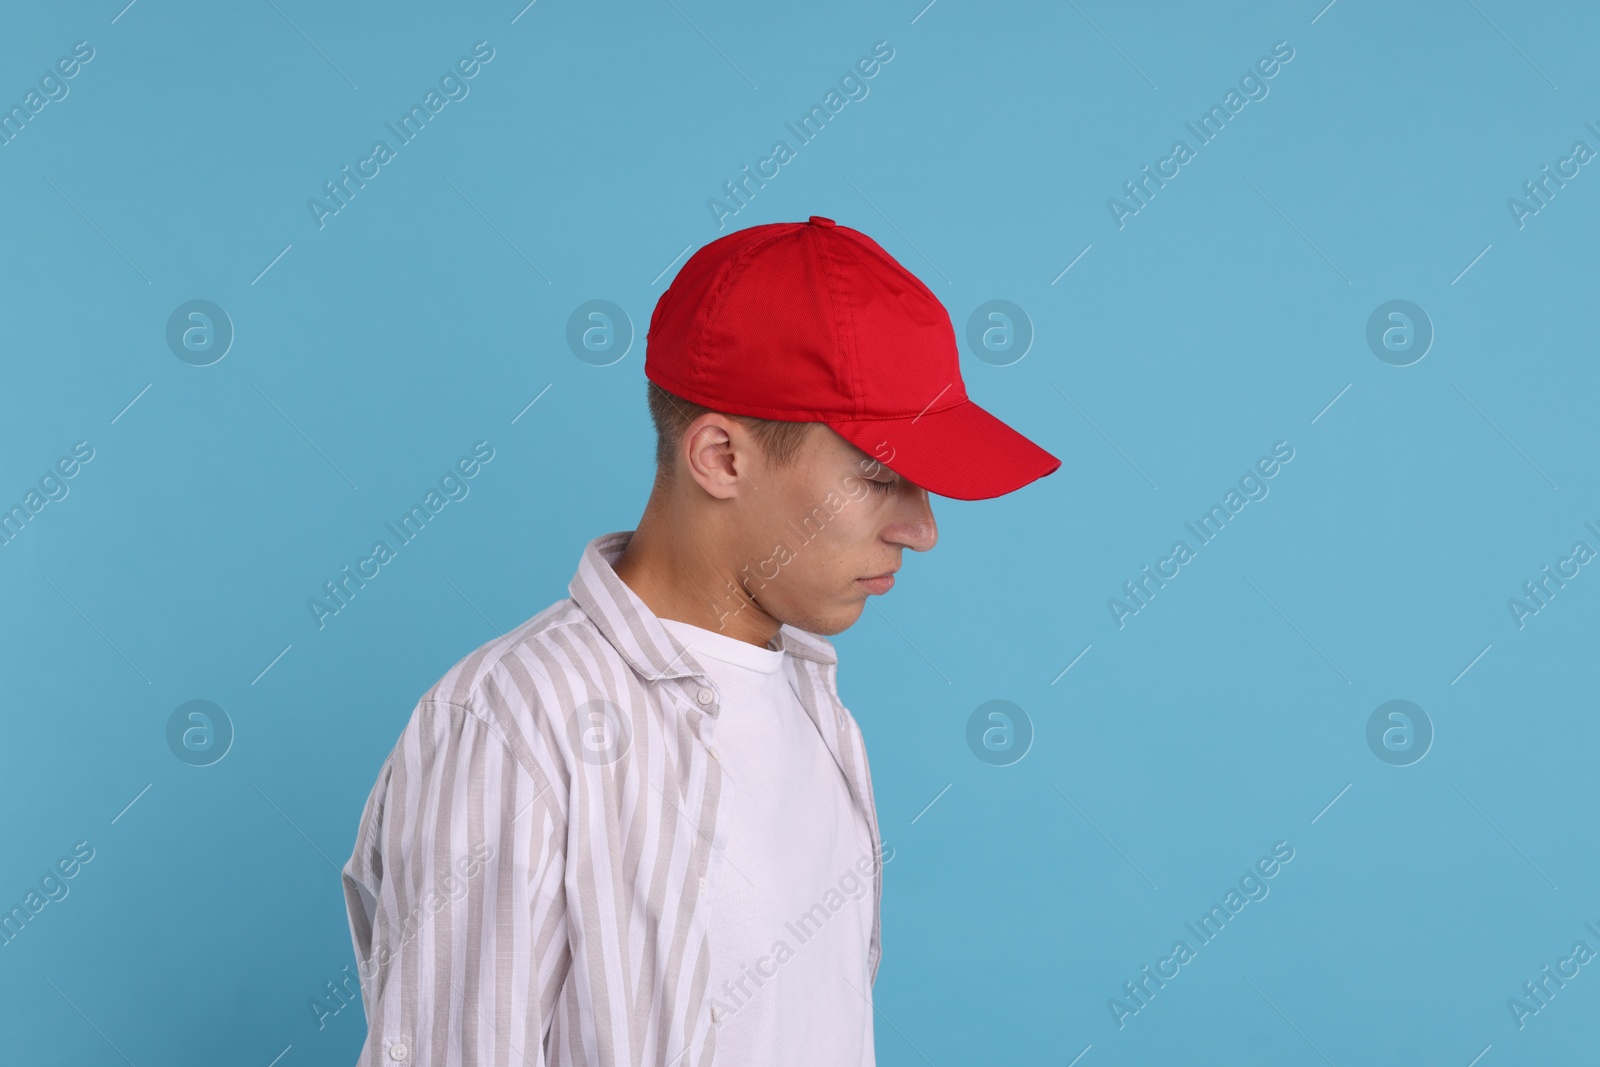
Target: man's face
{"type": "Point", "coordinates": [808, 533]}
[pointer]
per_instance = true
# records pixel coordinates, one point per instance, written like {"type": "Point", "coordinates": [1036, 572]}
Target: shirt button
{"type": "Point", "coordinates": [398, 1051]}
{"type": "Point", "coordinates": [705, 696]}
{"type": "Point", "coordinates": [702, 885]}
{"type": "Point", "coordinates": [713, 750]}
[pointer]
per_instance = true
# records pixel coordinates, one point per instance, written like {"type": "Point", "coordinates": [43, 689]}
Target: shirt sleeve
{"type": "Point", "coordinates": [455, 897]}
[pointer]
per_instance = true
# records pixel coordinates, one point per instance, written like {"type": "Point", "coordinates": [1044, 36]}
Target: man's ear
{"type": "Point", "coordinates": [714, 453]}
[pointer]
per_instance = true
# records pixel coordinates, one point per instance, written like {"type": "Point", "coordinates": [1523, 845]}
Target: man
{"type": "Point", "coordinates": [639, 828]}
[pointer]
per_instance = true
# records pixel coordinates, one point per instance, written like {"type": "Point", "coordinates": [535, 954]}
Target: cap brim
{"type": "Point", "coordinates": [962, 452]}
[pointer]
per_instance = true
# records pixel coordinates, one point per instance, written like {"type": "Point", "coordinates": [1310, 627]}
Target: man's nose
{"type": "Point", "coordinates": [919, 532]}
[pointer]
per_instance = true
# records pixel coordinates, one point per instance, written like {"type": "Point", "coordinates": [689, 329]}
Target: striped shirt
{"type": "Point", "coordinates": [528, 884]}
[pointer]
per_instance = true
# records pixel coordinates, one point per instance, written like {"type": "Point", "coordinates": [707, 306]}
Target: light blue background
{"type": "Point", "coordinates": [1225, 316]}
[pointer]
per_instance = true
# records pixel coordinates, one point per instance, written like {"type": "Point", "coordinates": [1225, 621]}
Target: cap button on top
{"type": "Point", "coordinates": [818, 220]}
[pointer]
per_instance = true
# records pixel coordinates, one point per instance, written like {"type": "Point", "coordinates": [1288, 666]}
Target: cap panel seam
{"type": "Point", "coordinates": [731, 270]}
{"type": "Point", "coordinates": [835, 301]}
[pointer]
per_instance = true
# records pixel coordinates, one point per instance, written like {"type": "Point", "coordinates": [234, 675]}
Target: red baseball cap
{"type": "Point", "coordinates": [815, 322]}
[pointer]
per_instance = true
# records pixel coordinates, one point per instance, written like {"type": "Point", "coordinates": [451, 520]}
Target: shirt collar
{"type": "Point", "coordinates": [635, 631]}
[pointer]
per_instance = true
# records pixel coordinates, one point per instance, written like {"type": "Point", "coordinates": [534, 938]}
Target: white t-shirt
{"type": "Point", "coordinates": [790, 985]}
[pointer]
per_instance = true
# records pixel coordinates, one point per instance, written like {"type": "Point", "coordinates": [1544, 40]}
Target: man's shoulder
{"type": "Point", "coordinates": [509, 672]}
{"type": "Point", "coordinates": [515, 687]}
{"type": "Point", "coordinates": [502, 689]}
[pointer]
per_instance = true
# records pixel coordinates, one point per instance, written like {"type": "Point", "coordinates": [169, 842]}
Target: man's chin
{"type": "Point", "coordinates": [836, 621]}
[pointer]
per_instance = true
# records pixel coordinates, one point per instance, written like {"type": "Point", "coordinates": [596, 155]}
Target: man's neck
{"type": "Point", "coordinates": [671, 570]}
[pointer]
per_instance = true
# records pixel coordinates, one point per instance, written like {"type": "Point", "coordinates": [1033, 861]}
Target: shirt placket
{"type": "Point", "coordinates": [702, 696]}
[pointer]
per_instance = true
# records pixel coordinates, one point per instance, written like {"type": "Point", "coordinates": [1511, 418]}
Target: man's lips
{"type": "Point", "coordinates": [879, 585]}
